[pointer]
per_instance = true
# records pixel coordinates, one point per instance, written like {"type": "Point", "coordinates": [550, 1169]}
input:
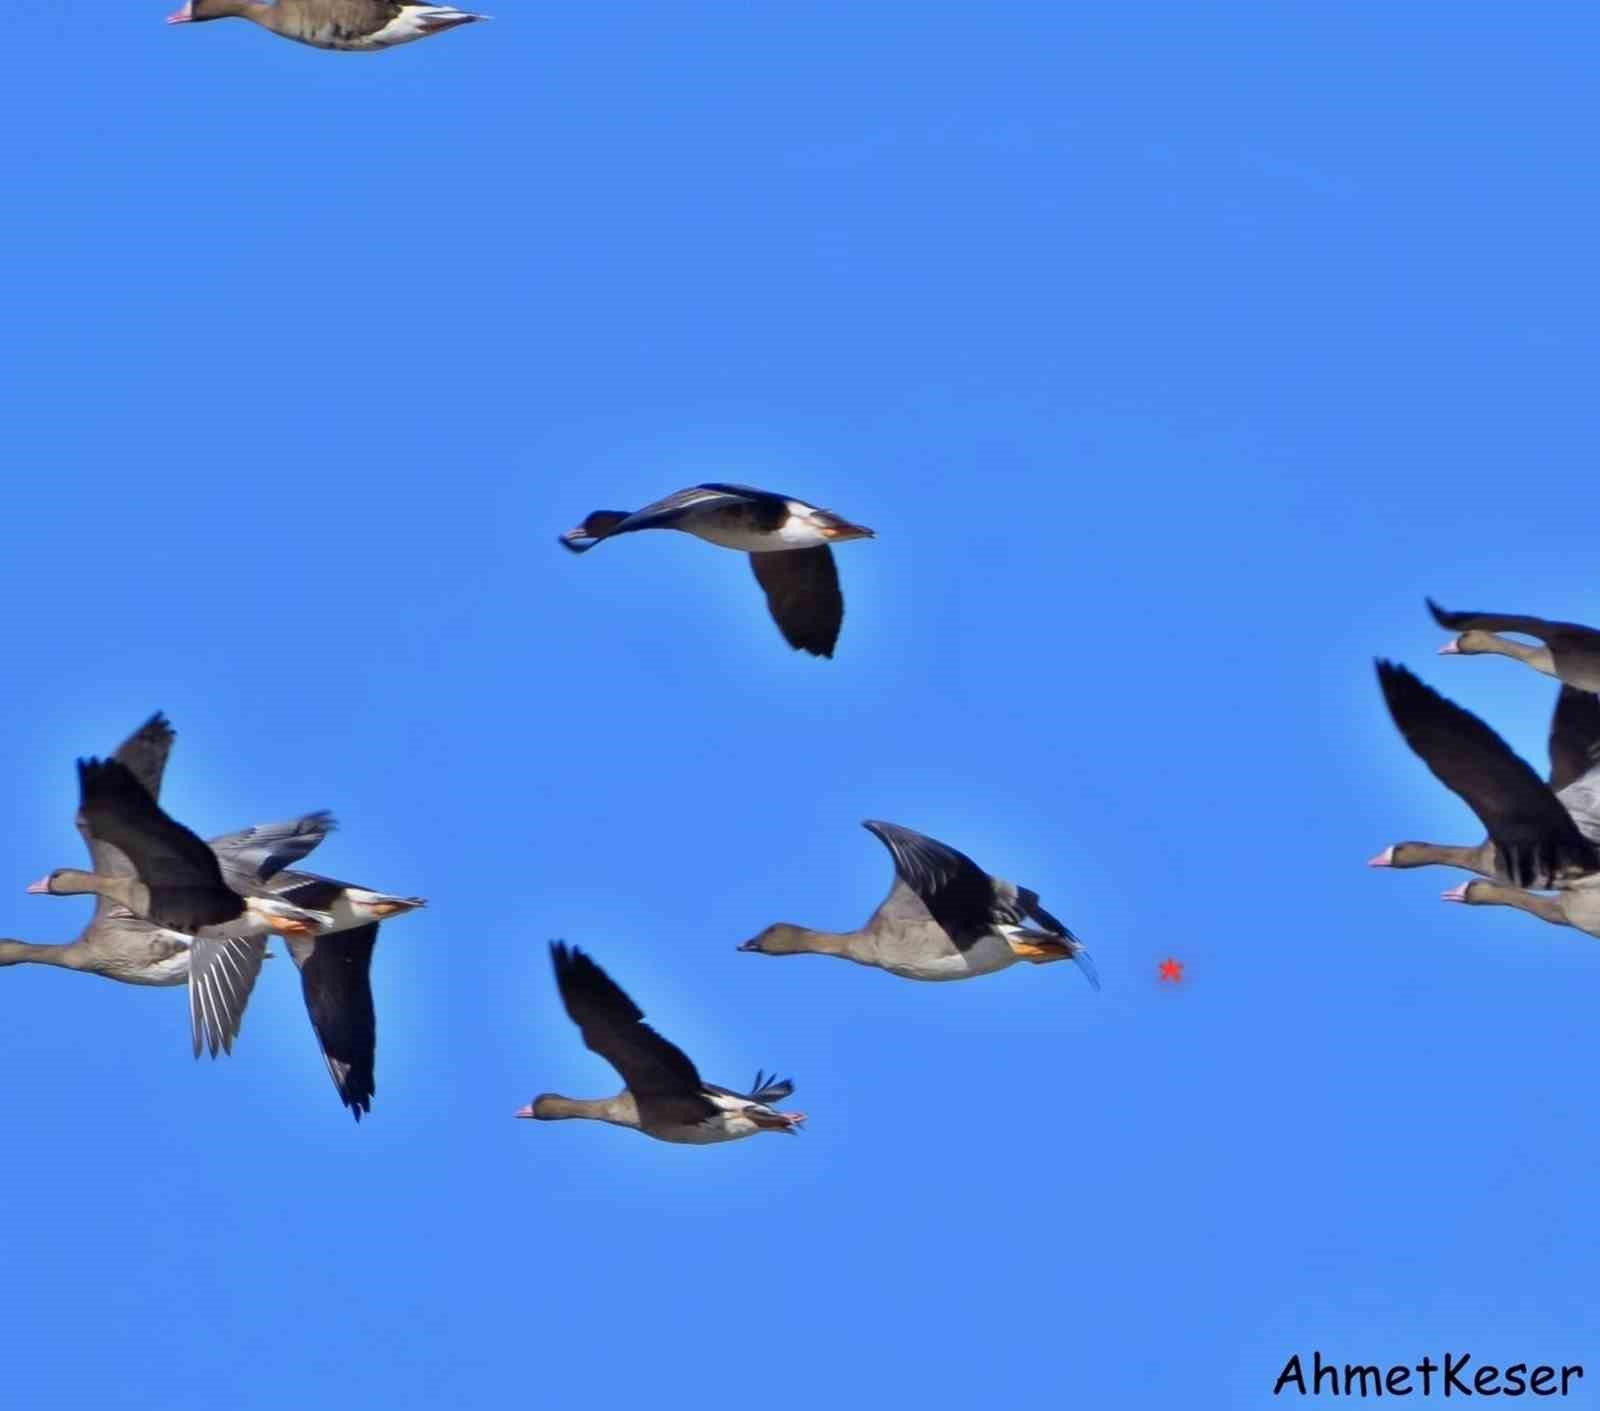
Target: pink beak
{"type": "Point", "coordinates": [1383, 859]}
{"type": "Point", "coordinates": [1450, 648]}
{"type": "Point", "coordinates": [524, 1111]}
{"type": "Point", "coordinates": [1456, 893]}
{"type": "Point", "coordinates": [182, 16]}
{"type": "Point", "coordinates": [41, 887]}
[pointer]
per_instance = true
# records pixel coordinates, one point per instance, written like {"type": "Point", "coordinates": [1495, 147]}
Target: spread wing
{"type": "Point", "coordinates": [116, 808]}
{"type": "Point", "coordinates": [962, 898]}
{"type": "Point", "coordinates": [802, 588]}
{"type": "Point", "coordinates": [957, 893]}
{"type": "Point", "coordinates": [221, 975]}
{"type": "Point", "coordinates": [1541, 627]}
{"type": "Point", "coordinates": [1535, 835]}
{"type": "Point", "coordinates": [663, 514]}
{"type": "Point", "coordinates": [336, 980]}
{"type": "Point", "coordinates": [1574, 736]}
{"type": "Point", "coordinates": [145, 754]}
{"type": "Point", "coordinates": [255, 855]}
{"type": "Point", "coordinates": [613, 1026]}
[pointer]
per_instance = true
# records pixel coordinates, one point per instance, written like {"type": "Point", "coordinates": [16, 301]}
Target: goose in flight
{"type": "Point", "coordinates": [787, 541]}
{"type": "Point", "coordinates": [176, 881]}
{"type": "Point", "coordinates": [1453, 733]}
{"type": "Point", "coordinates": [664, 1095]}
{"type": "Point", "coordinates": [120, 946]}
{"type": "Point", "coordinates": [356, 25]}
{"type": "Point", "coordinates": [1538, 838]}
{"type": "Point", "coordinates": [334, 966]}
{"type": "Point", "coordinates": [945, 918]}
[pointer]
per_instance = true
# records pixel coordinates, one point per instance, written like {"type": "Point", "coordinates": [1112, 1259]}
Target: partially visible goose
{"type": "Point", "coordinates": [1577, 906]}
{"type": "Point", "coordinates": [1570, 652]}
{"type": "Point", "coordinates": [787, 541]}
{"type": "Point", "coordinates": [945, 918]}
{"type": "Point", "coordinates": [1534, 838]}
{"type": "Point", "coordinates": [664, 1096]}
{"type": "Point", "coordinates": [115, 943]}
{"type": "Point", "coordinates": [121, 946]}
{"type": "Point", "coordinates": [360, 25]}
{"type": "Point", "coordinates": [335, 962]}
{"type": "Point", "coordinates": [179, 885]}
{"type": "Point", "coordinates": [336, 975]}
{"type": "Point", "coordinates": [1455, 733]}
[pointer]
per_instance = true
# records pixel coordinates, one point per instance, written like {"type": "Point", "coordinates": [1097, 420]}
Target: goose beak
{"type": "Point", "coordinates": [524, 1111]}
{"type": "Point", "coordinates": [40, 888]}
{"type": "Point", "coordinates": [184, 15]}
{"type": "Point", "coordinates": [838, 530]}
{"type": "Point", "coordinates": [743, 945]}
{"type": "Point", "coordinates": [1383, 859]}
{"type": "Point", "coordinates": [1456, 893]}
{"type": "Point", "coordinates": [1451, 648]}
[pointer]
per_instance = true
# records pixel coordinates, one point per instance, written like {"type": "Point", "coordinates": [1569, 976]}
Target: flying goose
{"type": "Point", "coordinates": [664, 1096]}
{"type": "Point", "coordinates": [787, 541]}
{"type": "Point", "coordinates": [121, 946]}
{"type": "Point", "coordinates": [334, 966]}
{"type": "Point", "coordinates": [1537, 838]}
{"type": "Point", "coordinates": [945, 918]}
{"type": "Point", "coordinates": [334, 962]}
{"type": "Point", "coordinates": [1575, 779]}
{"type": "Point", "coordinates": [1570, 652]}
{"type": "Point", "coordinates": [1577, 906]}
{"type": "Point", "coordinates": [178, 884]}
{"type": "Point", "coordinates": [358, 25]}
{"type": "Point", "coordinates": [115, 943]}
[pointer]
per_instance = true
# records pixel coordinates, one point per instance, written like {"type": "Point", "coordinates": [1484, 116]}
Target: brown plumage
{"type": "Point", "coordinates": [352, 25]}
{"type": "Point", "coordinates": [787, 541]}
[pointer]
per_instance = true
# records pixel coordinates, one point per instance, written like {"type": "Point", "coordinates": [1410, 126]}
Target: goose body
{"type": "Point", "coordinates": [664, 1096]}
{"type": "Point", "coordinates": [169, 877]}
{"type": "Point", "coordinates": [1537, 835]}
{"type": "Point", "coordinates": [945, 918]}
{"type": "Point", "coordinates": [334, 963]}
{"type": "Point", "coordinates": [121, 946]}
{"type": "Point", "coordinates": [357, 26]}
{"type": "Point", "coordinates": [787, 540]}
{"type": "Point", "coordinates": [118, 947]}
{"type": "Point", "coordinates": [1577, 906]}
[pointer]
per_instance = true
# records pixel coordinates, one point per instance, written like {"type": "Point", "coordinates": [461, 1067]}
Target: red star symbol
{"type": "Point", "coordinates": [1171, 969]}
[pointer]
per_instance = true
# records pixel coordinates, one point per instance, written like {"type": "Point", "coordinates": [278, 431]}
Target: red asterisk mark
{"type": "Point", "coordinates": [1171, 969]}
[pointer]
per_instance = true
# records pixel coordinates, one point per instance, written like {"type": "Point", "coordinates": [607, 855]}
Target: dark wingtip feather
{"type": "Point", "coordinates": [769, 1087]}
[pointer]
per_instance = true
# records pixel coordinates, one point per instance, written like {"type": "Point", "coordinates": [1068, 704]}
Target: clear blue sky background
{"type": "Point", "coordinates": [1175, 352]}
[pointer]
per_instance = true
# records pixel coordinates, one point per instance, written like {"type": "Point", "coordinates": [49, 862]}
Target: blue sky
{"type": "Point", "coordinates": [1174, 351]}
